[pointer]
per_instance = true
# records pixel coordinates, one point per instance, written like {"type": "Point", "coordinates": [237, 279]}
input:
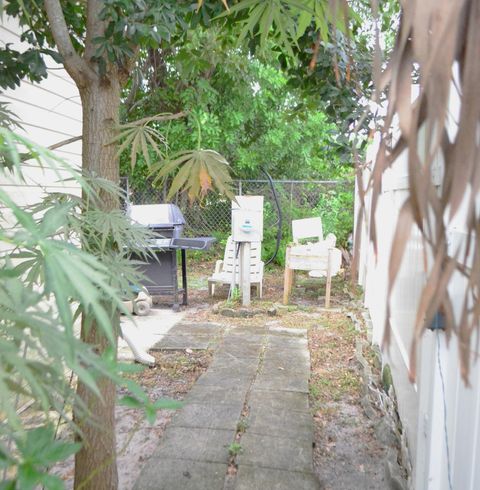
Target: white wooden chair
{"type": "Point", "coordinates": [307, 228]}
{"type": "Point", "coordinates": [319, 258]}
{"type": "Point", "coordinates": [224, 268]}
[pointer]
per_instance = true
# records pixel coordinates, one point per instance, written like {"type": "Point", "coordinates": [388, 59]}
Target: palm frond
{"type": "Point", "coordinates": [142, 136]}
{"type": "Point", "coordinates": [196, 172]}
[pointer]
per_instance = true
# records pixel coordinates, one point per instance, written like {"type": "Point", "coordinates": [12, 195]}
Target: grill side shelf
{"type": "Point", "coordinates": [198, 243]}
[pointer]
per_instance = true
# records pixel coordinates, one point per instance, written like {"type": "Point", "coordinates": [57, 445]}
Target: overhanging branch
{"type": "Point", "coordinates": [75, 65]}
{"type": "Point", "coordinates": [65, 142]}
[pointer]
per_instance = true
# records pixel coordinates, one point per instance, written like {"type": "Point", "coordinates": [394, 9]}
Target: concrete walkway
{"type": "Point", "coordinates": [147, 330]}
{"type": "Point", "coordinates": [255, 393]}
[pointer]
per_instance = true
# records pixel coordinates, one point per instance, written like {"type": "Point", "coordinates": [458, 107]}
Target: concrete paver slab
{"type": "Point", "coordinates": [292, 400]}
{"type": "Point", "coordinates": [235, 340]}
{"type": "Point", "coordinates": [147, 330]}
{"type": "Point", "coordinates": [276, 452]}
{"type": "Point", "coordinates": [182, 342]}
{"type": "Point", "coordinates": [251, 478]}
{"type": "Point", "coordinates": [240, 334]}
{"type": "Point", "coordinates": [209, 445]}
{"type": "Point", "coordinates": [274, 364]}
{"type": "Point", "coordinates": [282, 381]}
{"type": "Point", "coordinates": [209, 416]}
{"type": "Point", "coordinates": [286, 342]}
{"type": "Point", "coordinates": [184, 328]}
{"type": "Point", "coordinates": [172, 474]}
{"type": "Point", "coordinates": [234, 367]}
{"type": "Point", "coordinates": [218, 378]}
{"type": "Point", "coordinates": [290, 356]}
{"type": "Point", "coordinates": [294, 332]}
{"type": "Point", "coordinates": [250, 330]}
{"type": "Point", "coordinates": [240, 350]}
{"type": "Point", "coordinates": [236, 364]}
{"type": "Point", "coordinates": [216, 395]}
{"type": "Point", "coordinates": [280, 421]}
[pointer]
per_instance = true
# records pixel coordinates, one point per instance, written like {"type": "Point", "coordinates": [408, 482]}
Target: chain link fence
{"type": "Point", "coordinates": [332, 200]}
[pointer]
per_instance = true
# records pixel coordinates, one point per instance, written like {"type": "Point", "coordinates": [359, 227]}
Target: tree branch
{"type": "Point", "coordinates": [75, 65]}
{"type": "Point", "coordinates": [28, 156]}
{"type": "Point", "coordinates": [65, 142]}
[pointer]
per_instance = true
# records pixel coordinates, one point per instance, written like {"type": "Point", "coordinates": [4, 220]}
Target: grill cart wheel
{"type": "Point", "coordinates": [141, 308]}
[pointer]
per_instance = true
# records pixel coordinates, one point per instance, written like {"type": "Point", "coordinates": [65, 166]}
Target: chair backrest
{"type": "Point", "coordinates": [307, 228]}
{"type": "Point", "coordinates": [255, 257]}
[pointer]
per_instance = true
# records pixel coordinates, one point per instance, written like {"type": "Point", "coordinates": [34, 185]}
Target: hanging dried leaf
{"type": "Point", "coordinates": [438, 41]}
{"type": "Point", "coordinates": [205, 181]}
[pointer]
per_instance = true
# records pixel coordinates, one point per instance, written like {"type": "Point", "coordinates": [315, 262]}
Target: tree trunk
{"type": "Point", "coordinates": [95, 464]}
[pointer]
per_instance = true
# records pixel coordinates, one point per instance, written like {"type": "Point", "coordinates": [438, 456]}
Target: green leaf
{"type": "Point", "coordinates": [165, 404]}
{"type": "Point", "coordinates": [8, 485]}
{"type": "Point", "coordinates": [130, 401]}
{"type": "Point", "coordinates": [195, 168]}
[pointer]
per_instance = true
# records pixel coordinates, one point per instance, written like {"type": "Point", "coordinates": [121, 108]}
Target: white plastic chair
{"type": "Point", "coordinates": [224, 268]}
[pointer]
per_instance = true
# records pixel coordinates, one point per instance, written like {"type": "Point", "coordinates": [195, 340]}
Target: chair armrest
{"type": "Point", "coordinates": [218, 266]}
{"type": "Point", "coordinates": [261, 265]}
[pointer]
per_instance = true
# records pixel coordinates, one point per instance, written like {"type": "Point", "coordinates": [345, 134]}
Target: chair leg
{"type": "Point", "coordinates": [288, 277]}
{"type": "Point", "coordinates": [329, 282]}
{"type": "Point", "coordinates": [211, 288]}
{"type": "Point", "coordinates": [287, 284]}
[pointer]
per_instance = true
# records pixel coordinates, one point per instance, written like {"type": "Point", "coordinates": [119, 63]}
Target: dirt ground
{"type": "Point", "coordinates": [348, 452]}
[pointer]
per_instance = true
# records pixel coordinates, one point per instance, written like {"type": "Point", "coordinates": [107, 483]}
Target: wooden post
{"type": "Point", "coordinates": [329, 280]}
{"type": "Point", "coordinates": [245, 272]}
{"type": "Point", "coordinates": [287, 278]}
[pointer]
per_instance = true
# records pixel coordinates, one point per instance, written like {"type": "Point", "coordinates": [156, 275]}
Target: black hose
{"type": "Point", "coordinates": [280, 217]}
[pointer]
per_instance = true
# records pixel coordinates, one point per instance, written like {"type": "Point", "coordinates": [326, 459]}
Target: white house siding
{"type": "Point", "coordinates": [421, 405]}
{"type": "Point", "coordinates": [50, 112]}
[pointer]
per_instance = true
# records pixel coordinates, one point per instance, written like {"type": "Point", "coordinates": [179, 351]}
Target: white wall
{"type": "Point", "coordinates": [421, 405]}
{"type": "Point", "coordinates": [50, 112]}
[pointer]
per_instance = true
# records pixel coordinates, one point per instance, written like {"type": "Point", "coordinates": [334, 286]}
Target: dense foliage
{"type": "Point", "coordinates": [245, 109]}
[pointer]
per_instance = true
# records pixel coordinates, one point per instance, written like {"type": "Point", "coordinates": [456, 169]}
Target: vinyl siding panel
{"type": "Point", "coordinates": [50, 112]}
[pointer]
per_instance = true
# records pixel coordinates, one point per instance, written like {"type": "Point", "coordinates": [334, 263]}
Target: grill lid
{"type": "Point", "coordinates": [157, 215]}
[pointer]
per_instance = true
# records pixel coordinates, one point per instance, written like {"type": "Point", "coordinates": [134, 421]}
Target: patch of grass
{"type": "Point", "coordinates": [314, 391]}
{"type": "Point", "coordinates": [350, 381]}
{"type": "Point", "coordinates": [235, 449]}
{"type": "Point", "coordinates": [373, 357]}
{"type": "Point", "coordinates": [197, 282]}
{"type": "Point", "coordinates": [242, 425]}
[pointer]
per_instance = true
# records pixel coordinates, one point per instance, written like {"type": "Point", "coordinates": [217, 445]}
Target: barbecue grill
{"type": "Point", "coordinates": [161, 269]}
